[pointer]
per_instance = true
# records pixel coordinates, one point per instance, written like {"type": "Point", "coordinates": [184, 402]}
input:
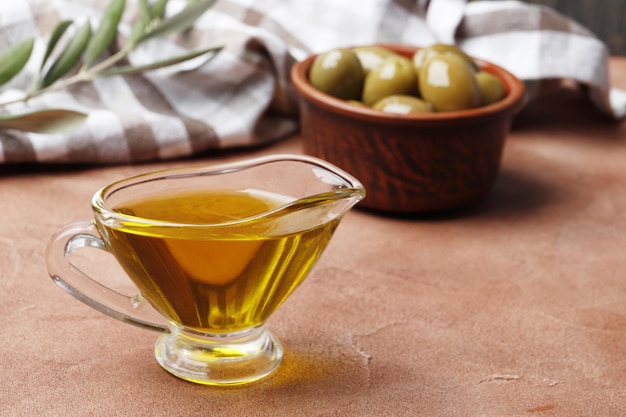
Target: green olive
{"type": "Point", "coordinates": [372, 56]}
{"type": "Point", "coordinates": [402, 104]}
{"type": "Point", "coordinates": [491, 88]}
{"type": "Point", "coordinates": [395, 75]}
{"type": "Point", "coordinates": [339, 73]}
{"type": "Point", "coordinates": [422, 55]}
{"type": "Point", "coordinates": [448, 82]}
{"type": "Point", "coordinates": [356, 103]}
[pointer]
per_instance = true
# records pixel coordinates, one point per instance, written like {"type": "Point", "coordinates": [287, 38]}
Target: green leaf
{"type": "Point", "coordinates": [140, 25]}
{"type": "Point", "coordinates": [69, 57]}
{"type": "Point", "coordinates": [58, 31]}
{"type": "Point", "coordinates": [56, 35]}
{"type": "Point", "coordinates": [129, 69]}
{"type": "Point", "coordinates": [158, 9]}
{"type": "Point", "coordinates": [106, 32]}
{"type": "Point", "coordinates": [145, 11]}
{"type": "Point", "coordinates": [13, 60]}
{"type": "Point", "coordinates": [43, 121]}
{"type": "Point", "coordinates": [180, 21]}
{"type": "Point", "coordinates": [148, 16]}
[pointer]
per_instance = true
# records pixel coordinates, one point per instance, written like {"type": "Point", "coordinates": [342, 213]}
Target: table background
{"type": "Point", "coordinates": [514, 306]}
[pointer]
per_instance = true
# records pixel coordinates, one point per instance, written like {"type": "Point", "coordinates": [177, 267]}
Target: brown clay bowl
{"type": "Point", "coordinates": [409, 163]}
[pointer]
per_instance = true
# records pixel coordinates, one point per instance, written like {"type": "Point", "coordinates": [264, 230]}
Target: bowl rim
{"type": "Point", "coordinates": [510, 103]}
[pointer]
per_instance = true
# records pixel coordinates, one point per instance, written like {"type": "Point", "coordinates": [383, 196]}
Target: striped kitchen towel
{"type": "Point", "coordinates": [243, 97]}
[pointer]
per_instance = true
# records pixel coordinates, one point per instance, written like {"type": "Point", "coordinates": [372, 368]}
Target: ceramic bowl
{"type": "Point", "coordinates": [409, 163]}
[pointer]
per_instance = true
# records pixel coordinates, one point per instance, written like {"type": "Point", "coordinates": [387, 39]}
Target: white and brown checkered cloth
{"type": "Point", "coordinates": [243, 97]}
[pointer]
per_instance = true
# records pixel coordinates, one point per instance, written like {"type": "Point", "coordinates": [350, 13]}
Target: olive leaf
{"type": "Point", "coordinates": [69, 57]}
{"type": "Point", "coordinates": [180, 21]}
{"type": "Point", "coordinates": [148, 15]}
{"type": "Point", "coordinates": [58, 31]}
{"type": "Point", "coordinates": [150, 12]}
{"type": "Point", "coordinates": [145, 11]}
{"type": "Point", "coordinates": [158, 9]}
{"type": "Point", "coordinates": [43, 121]}
{"type": "Point", "coordinates": [130, 69]}
{"type": "Point", "coordinates": [56, 35]}
{"type": "Point", "coordinates": [105, 33]}
{"type": "Point", "coordinates": [140, 25]}
{"type": "Point", "coordinates": [14, 60]}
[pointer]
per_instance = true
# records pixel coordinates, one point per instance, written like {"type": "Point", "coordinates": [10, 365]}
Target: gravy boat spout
{"type": "Point", "coordinates": [313, 191]}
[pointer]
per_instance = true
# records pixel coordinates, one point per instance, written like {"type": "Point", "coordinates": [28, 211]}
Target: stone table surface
{"type": "Point", "coordinates": [515, 306]}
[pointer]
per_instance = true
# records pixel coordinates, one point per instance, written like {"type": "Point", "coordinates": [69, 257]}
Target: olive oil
{"type": "Point", "coordinates": [220, 275]}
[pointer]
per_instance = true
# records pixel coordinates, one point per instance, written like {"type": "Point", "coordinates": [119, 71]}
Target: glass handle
{"type": "Point", "coordinates": [133, 310]}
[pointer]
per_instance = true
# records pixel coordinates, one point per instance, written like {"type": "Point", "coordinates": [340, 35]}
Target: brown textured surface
{"type": "Point", "coordinates": [516, 307]}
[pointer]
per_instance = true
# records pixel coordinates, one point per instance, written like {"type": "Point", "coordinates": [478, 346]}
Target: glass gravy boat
{"type": "Point", "coordinates": [214, 251]}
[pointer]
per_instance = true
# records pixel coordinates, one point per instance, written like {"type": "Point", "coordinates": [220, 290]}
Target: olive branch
{"type": "Point", "coordinates": [83, 59]}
